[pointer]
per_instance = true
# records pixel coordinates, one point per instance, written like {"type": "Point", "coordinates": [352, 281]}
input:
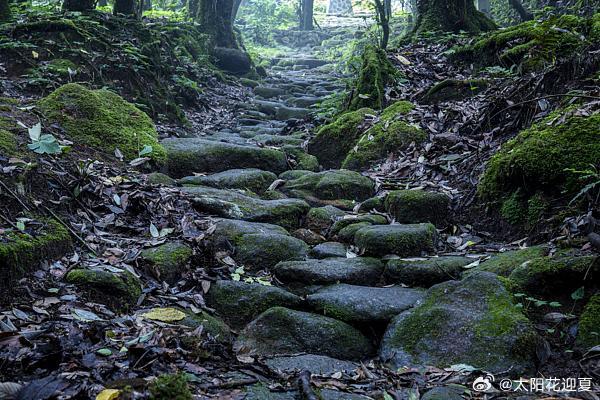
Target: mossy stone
{"type": "Point", "coordinates": [102, 119]}
{"type": "Point", "coordinates": [300, 159]}
{"type": "Point", "coordinates": [229, 231]}
{"type": "Point", "coordinates": [347, 233]}
{"type": "Point", "coordinates": [320, 219]}
{"type": "Point", "coordinates": [471, 322]}
{"type": "Point", "coordinates": [402, 240]}
{"type": "Point", "coordinates": [539, 158]}
{"type": "Point", "coordinates": [374, 203]}
{"type": "Point", "coordinates": [554, 275]}
{"type": "Point", "coordinates": [329, 250]}
{"type": "Point", "coordinates": [414, 206]}
{"type": "Point", "coordinates": [330, 185]}
{"type": "Point", "coordinates": [334, 140]}
{"type": "Point", "coordinates": [294, 174]}
{"type": "Point", "coordinates": [371, 219]}
{"type": "Point", "coordinates": [265, 250]}
{"type": "Point", "coordinates": [280, 331]}
{"type": "Point", "coordinates": [20, 253]}
{"type": "Point", "coordinates": [189, 155]}
{"type": "Point", "coordinates": [239, 302]}
{"type": "Point", "coordinates": [158, 178]}
{"type": "Point", "coordinates": [425, 273]}
{"type": "Point", "coordinates": [504, 263]}
{"type": "Point", "coordinates": [357, 271]}
{"type": "Point", "coordinates": [589, 324]}
{"type": "Point", "coordinates": [212, 326]}
{"type": "Point", "coordinates": [117, 290]}
{"type": "Point", "coordinates": [168, 261]}
{"type": "Point", "coordinates": [252, 179]}
{"type": "Point", "coordinates": [376, 72]}
{"type": "Point", "coordinates": [61, 66]}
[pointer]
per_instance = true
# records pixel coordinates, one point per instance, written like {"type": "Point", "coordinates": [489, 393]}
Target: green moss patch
{"type": "Point", "coordinates": [8, 143]}
{"type": "Point", "coordinates": [452, 89]}
{"type": "Point", "coordinates": [414, 206]}
{"type": "Point", "coordinates": [118, 290]}
{"type": "Point", "coordinates": [376, 72]}
{"type": "Point", "coordinates": [168, 261]}
{"type": "Point", "coordinates": [589, 324]}
{"type": "Point", "coordinates": [504, 263]}
{"type": "Point", "coordinates": [540, 161]}
{"type": "Point", "coordinates": [102, 119]}
{"type": "Point", "coordinates": [170, 387]}
{"type": "Point", "coordinates": [533, 44]}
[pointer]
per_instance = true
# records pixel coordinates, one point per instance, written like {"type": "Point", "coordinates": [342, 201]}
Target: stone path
{"type": "Point", "coordinates": [347, 287]}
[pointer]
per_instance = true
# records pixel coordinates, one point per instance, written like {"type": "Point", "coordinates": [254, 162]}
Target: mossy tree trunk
{"type": "Point", "coordinates": [306, 16]}
{"type": "Point", "coordinates": [4, 10]}
{"type": "Point", "coordinates": [79, 5]}
{"type": "Point", "coordinates": [451, 16]}
{"type": "Point", "coordinates": [216, 19]}
{"type": "Point", "coordinates": [125, 7]}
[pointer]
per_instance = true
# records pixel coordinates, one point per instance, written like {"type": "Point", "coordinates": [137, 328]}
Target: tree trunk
{"type": "Point", "coordinates": [4, 10]}
{"type": "Point", "coordinates": [450, 16]}
{"type": "Point", "coordinates": [484, 6]}
{"type": "Point", "coordinates": [79, 5]}
{"type": "Point", "coordinates": [523, 13]}
{"type": "Point", "coordinates": [215, 19]}
{"type": "Point", "coordinates": [236, 9]}
{"type": "Point", "coordinates": [339, 7]}
{"type": "Point", "coordinates": [125, 7]}
{"type": "Point", "coordinates": [306, 22]}
{"type": "Point", "coordinates": [388, 8]}
{"type": "Point", "coordinates": [384, 22]}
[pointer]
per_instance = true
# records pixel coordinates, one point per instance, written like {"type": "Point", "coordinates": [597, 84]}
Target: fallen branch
{"type": "Point", "coordinates": [306, 391]}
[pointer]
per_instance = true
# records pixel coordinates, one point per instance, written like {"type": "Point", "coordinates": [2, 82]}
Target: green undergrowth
{"type": "Point", "coordinates": [160, 65]}
{"type": "Point", "coordinates": [532, 45]}
{"type": "Point", "coordinates": [170, 387]}
{"type": "Point", "coordinates": [541, 164]}
{"type": "Point", "coordinates": [375, 74]}
{"type": "Point", "coordinates": [102, 119]}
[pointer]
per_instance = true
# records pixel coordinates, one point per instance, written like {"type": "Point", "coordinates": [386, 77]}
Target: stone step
{"type": "Point", "coordinates": [397, 239]}
{"type": "Point", "coordinates": [255, 180]}
{"type": "Point", "coordinates": [425, 272]}
{"type": "Point", "coordinates": [234, 204]}
{"type": "Point", "coordinates": [358, 271]}
{"type": "Point", "coordinates": [188, 155]}
{"type": "Point", "coordinates": [362, 304]}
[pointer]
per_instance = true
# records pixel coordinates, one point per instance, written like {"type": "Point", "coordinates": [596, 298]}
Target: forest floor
{"type": "Point", "coordinates": [246, 230]}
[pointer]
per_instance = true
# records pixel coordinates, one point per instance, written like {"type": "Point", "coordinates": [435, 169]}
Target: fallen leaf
{"type": "Point", "coordinates": [108, 394]}
{"type": "Point", "coordinates": [164, 314]}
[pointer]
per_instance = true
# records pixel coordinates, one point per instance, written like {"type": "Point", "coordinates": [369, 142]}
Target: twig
{"type": "Point", "coordinates": [9, 222]}
{"type": "Point", "coordinates": [542, 98]}
{"type": "Point", "coordinates": [60, 221]}
{"type": "Point", "coordinates": [15, 196]}
{"type": "Point", "coordinates": [306, 391]}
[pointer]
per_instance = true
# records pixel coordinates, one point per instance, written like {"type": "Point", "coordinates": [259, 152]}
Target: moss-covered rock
{"type": "Point", "coordinates": [358, 271]}
{"type": "Point", "coordinates": [365, 219]}
{"type": "Point", "coordinates": [362, 304]}
{"type": "Point", "coordinates": [334, 140]}
{"type": "Point", "coordinates": [170, 387]}
{"type": "Point", "coordinates": [541, 159]}
{"type": "Point", "coordinates": [589, 324]}
{"type": "Point", "coordinates": [102, 119]}
{"type": "Point", "coordinates": [119, 290]}
{"type": "Point", "coordinates": [61, 66]}
{"type": "Point", "coordinates": [320, 219]}
{"type": "Point", "coordinates": [453, 89]}
{"type": "Point", "coordinates": [280, 331]}
{"type": "Point", "coordinates": [21, 252]}
{"type": "Point", "coordinates": [425, 273]}
{"type": "Point", "coordinates": [503, 264]}
{"type": "Point", "coordinates": [300, 159]}
{"type": "Point", "coordinates": [374, 203]}
{"type": "Point", "coordinates": [167, 261]}
{"type": "Point", "coordinates": [330, 186]}
{"type": "Point", "coordinates": [252, 179]}
{"type": "Point", "coordinates": [158, 178]}
{"type": "Point", "coordinates": [390, 134]}
{"type": "Point", "coordinates": [438, 16]}
{"type": "Point", "coordinates": [236, 205]}
{"type": "Point", "coordinates": [294, 174]}
{"type": "Point", "coordinates": [265, 250]}
{"type": "Point", "coordinates": [329, 250]}
{"type": "Point", "coordinates": [402, 240]}
{"type": "Point", "coordinates": [555, 275]}
{"type": "Point", "coordinates": [239, 302]}
{"type": "Point", "coordinates": [533, 44]}
{"type": "Point", "coordinates": [472, 322]}
{"type": "Point", "coordinates": [8, 143]}
{"type": "Point", "coordinates": [375, 74]}
{"type": "Point", "coordinates": [189, 155]}
{"type": "Point", "coordinates": [414, 206]}
{"type": "Point", "coordinates": [347, 233]}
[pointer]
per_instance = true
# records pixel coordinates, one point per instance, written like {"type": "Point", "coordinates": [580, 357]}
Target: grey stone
{"type": "Point", "coordinates": [363, 304]}
{"type": "Point", "coordinates": [318, 365]}
{"type": "Point", "coordinates": [359, 270]}
{"type": "Point", "coordinates": [401, 240]}
{"type": "Point", "coordinates": [414, 206]}
{"type": "Point", "coordinates": [425, 273]}
{"type": "Point", "coordinates": [251, 179]}
{"type": "Point", "coordinates": [168, 261]}
{"type": "Point", "coordinates": [329, 250]}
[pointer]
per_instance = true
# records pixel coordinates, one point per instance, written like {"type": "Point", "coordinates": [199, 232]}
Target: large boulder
{"type": "Point", "coordinates": [330, 186]}
{"type": "Point", "coordinates": [414, 206]}
{"type": "Point", "coordinates": [320, 219]}
{"type": "Point", "coordinates": [358, 270]}
{"type": "Point", "coordinates": [232, 60]}
{"type": "Point", "coordinates": [401, 240]}
{"type": "Point", "coordinates": [362, 304]}
{"type": "Point", "coordinates": [236, 205]}
{"type": "Point", "coordinates": [280, 331]}
{"type": "Point", "coordinates": [239, 302]}
{"type": "Point", "coordinates": [252, 179]}
{"type": "Point", "coordinates": [168, 261]}
{"type": "Point", "coordinates": [189, 155]}
{"type": "Point", "coordinates": [472, 321]}
{"type": "Point", "coordinates": [102, 119]}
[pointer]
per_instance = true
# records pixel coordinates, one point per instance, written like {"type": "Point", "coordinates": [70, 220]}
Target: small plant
{"type": "Point", "coordinates": [42, 144]}
{"type": "Point", "coordinates": [591, 191]}
{"type": "Point", "coordinates": [525, 302]}
{"type": "Point", "coordinates": [170, 387]}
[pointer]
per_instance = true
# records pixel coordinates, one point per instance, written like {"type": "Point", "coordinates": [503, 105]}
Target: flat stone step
{"type": "Point", "coordinates": [235, 205]}
{"type": "Point", "coordinates": [362, 304]}
{"type": "Point", "coordinates": [318, 365]}
{"type": "Point", "coordinates": [329, 250]}
{"type": "Point", "coordinates": [189, 155]}
{"type": "Point", "coordinates": [252, 179]}
{"type": "Point", "coordinates": [425, 272]}
{"type": "Point", "coordinates": [401, 240]}
{"type": "Point", "coordinates": [358, 270]}
{"type": "Point", "coordinates": [280, 111]}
